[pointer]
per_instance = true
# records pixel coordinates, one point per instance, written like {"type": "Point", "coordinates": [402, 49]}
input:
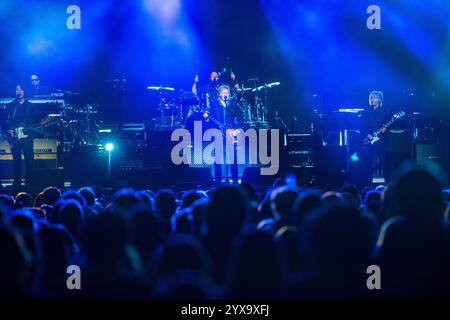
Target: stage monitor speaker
{"type": "Point", "coordinates": [144, 178]}
{"type": "Point", "coordinates": [254, 176]}
{"type": "Point", "coordinates": [42, 178]}
{"type": "Point", "coordinates": [330, 158]}
{"type": "Point", "coordinates": [185, 175]}
{"type": "Point", "coordinates": [157, 149]}
{"type": "Point", "coordinates": [88, 165]}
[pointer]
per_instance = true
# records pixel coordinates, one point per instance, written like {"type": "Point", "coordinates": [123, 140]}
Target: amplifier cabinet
{"type": "Point", "coordinates": [45, 156]}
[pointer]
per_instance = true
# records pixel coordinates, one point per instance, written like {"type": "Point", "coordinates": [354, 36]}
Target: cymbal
{"type": "Point", "coordinates": [243, 89]}
{"type": "Point", "coordinates": [266, 85]}
{"type": "Point", "coordinates": [273, 84]}
{"type": "Point", "coordinates": [160, 88]}
{"type": "Point", "coordinates": [86, 111]}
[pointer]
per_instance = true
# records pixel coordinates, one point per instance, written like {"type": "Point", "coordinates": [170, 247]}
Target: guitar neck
{"type": "Point", "coordinates": [389, 123]}
{"type": "Point", "coordinates": [218, 123]}
{"type": "Point", "coordinates": [386, 125]}
{"type": "Point", "coordinates": [39, 125]}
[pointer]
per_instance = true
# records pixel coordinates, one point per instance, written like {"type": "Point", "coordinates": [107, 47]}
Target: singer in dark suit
{"type": "Point", "coordinates": [227, 116]}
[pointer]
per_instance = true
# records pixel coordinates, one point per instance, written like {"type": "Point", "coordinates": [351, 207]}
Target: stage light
{"type": "Point", "coordinates": [109, 147]}
{"type": "Point", "coordinates": [39, 46]}
{"type": "Point", "coordinates": [165, 12]}
{"type": "Point", "coordinates": [354, 157]}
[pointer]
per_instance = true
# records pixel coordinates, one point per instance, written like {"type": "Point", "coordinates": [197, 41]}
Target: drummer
{"type": "Point", "coordinates": [209, 90]}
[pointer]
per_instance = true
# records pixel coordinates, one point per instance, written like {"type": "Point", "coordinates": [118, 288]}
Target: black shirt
{"type": "Point", "coordinates": [230, 115]}
{"type": "Point", "coordinates": [374, 119]}
{"type": "Point", "coordinates": [22, 115]}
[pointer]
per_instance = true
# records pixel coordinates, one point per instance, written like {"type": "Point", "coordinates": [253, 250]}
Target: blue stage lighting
{"type": "Point", "coordinates": [354, 157]}
{"type": "Point", "coordinates": [109, 147]}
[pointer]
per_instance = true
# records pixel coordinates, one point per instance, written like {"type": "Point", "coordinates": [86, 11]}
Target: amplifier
{"type": "Point", "coordinates": [300, 150]}
{"type": "Point", "coordinates": [5, 148]}
{"type": "Point", "coordinates": [45, 156]}
{"type": "Point", "coordinates": [44, 149]}
{"type": "Point", "coordinates": [45, 146]}
{"type": "Point", "coordinates": [426, 152]}
{"type": "Point", "coordinates": [427, 135]}
{"type": "Point", "coordinates": [132, 131]}
{"type": "Point", "coordinates": [398, 141]}
{"type": "Point", "coordinates": [299, 140]}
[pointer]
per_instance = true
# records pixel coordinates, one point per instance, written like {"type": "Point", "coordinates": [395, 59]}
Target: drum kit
{"type": "Point", "coordinates": [179, 108]}
{"type": "Point", "coordinates": [73, 123]}
{"type": "Point", "coordinates": [172, 107]}
{"type": "Point", "coordinates": [256, 111]}
{"type": "Point", "coordinates": [76, 126]}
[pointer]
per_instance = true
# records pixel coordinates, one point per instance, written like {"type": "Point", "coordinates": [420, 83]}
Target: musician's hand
{"type": "Point", "coordinates": [383, 130]}
{"type": "Point", "coordinates": [205, 115]}
{"type": "Point", "coordinates": [11, 133]}
{"type": "Point", "coordinates": [370, 137]}
{"type": "Point", "coordinates": [232, 76]}
{"type": "Point", "coordinates": [196, 79]}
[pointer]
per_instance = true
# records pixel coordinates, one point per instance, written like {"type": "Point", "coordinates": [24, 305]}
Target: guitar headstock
{"type": "Point", "coordinates": [399, 115]}
{"type": "Point", "coordinates": [50, 118]}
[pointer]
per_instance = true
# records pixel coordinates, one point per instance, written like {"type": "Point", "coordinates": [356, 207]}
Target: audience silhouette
{"type": "Point", "coordinates": [230, 242]}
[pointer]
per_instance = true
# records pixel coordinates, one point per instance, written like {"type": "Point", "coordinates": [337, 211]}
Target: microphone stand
{"type": "Point", "coordinates": [279, 120]}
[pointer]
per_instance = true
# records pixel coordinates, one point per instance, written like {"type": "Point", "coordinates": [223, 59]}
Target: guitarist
{"type": "Point", "coordinates": [375, 116]}
{"type": "Point", "coordinates": [21, 114]}
{"type": "Point", "coordinates": [226, 112]}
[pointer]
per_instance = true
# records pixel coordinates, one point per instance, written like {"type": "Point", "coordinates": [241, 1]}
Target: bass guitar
{"type": "Point", "coordinates": [377, 134]}
{"type": "Point", "coordinates": [23, 132]}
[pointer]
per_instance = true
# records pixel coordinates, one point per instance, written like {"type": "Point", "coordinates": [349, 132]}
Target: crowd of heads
{"type": "Point", "coordinates": [229, 242]}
